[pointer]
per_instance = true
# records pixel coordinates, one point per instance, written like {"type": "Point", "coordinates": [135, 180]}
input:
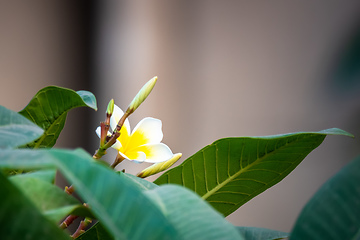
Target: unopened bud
{"type": "Point", "coordinates": [159, 167]}
{"type": "Point", "coordinates": [141, 95]}
{"type": "Point", "coordinates": [110, 107]}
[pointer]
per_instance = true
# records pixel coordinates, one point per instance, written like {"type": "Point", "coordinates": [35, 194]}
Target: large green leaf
{"type": "Point", "coordinates": [50, 199]}
{"type": "Point", "coordinates": [48, 109]}
{"type": "Point", "coordinates": [20, 219]}
{"type": "Point", "coordinates": [124, 210]}
{"type": "Point", "coordinates": [44, 175]}
{"type": "Point", "coordinates": [334, 211]}
{"type": "Point", "coordinates": [16, 130]}
{"type": "Point", "coordinates": [116, 201]}
{"type": "Point", "coordinates": [142, 183]}
{"type": "Point", "coordinates": [231, 171]}
{"type": "Point", "coordinates": [97, 231]}
{"type": "Point", "coordinates": [126, 207]}
{"type": "Point", "coordinates": [255, 233]}
{"type": "Point", "coordinates": [192, 217]}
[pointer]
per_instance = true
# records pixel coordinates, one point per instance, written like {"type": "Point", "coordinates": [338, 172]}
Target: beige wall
{"type": "Point", "coordinates": [225, 68]}
{"type": "Point", "coordinates": [42, 43]}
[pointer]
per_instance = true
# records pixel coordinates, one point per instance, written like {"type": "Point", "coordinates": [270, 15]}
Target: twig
{"type": "Point", "coordinates": [68, 221]}
{"type": "Point", "coordinates": [83, 224]}
{"type": "Point", "coordinates": [69, 190]}
{"type": "Point", "coordinates": [118, 160]}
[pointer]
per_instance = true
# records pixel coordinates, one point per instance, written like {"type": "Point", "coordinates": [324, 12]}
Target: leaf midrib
{"type": "Point", "coordinates": [242, 170]}
{"type": "Point", "coordinates": [45, 134]}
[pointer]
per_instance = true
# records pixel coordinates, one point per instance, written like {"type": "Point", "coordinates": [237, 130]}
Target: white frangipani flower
{"type": "Point", "coordinates": [143, 144]}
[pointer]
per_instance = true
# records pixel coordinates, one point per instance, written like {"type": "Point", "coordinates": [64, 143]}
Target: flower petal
{"type": "Point", "coordinates": [125, 129]}
{"type": "Point", "coordinates": [134, 156]}
{"type": "Point", "coordinates": [98, 131]}
{"type": "Point", "coordinates": [117, 145]}
{"type": "Point", "coordinates": [155, 153]}
{"type": "Point", "coordinates": [115, 117]}
{"type": "Point", "coordinates": [147, 131]}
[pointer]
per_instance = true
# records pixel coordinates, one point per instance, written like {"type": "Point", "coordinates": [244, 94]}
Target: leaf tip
{"type": "Point", "coordinates": [88, 98]}
{"type": "Point", "coordinates": [336, 131]}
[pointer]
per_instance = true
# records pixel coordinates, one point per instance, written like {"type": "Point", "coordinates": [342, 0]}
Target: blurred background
{"type": "Point", "coordinates": [225, 68]}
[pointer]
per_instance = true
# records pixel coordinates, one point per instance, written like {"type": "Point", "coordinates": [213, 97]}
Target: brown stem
{"type": "Point", "coordinates": [68, 221]}
{"type": "Point", "coordinates": [118, 160]}
{"type": "Point", "coordinates": [99, 153]}
{"type": "Point", "coordinates": [115, 135]}
{"type": "Point", "coordinates": [83, 224]}
{"type": "Point", "coordinates": [112, 140]}
{"type": "Point", "coordinates": [69, 190]}
{"type": "Point", "coordinates": [121, 121]}
{"type": "Point", "coordinates": [104, 128]}
{"type": "Point", "coordinates": [107, 120]}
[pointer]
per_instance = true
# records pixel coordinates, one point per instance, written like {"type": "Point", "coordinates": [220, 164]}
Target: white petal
{"type": "Point", "coordinates": [117, 145]}
{"type": "Point", "coordinates": [98, 131]}
{"type": "Point", "coordinates": [155, 153]}
{"type": "Point", "coordinates": [147, 131]}
{"type": "Point", "coordinates": [115, 117]}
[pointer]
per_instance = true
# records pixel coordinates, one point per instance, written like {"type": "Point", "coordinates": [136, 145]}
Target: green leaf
{"type": "Point", "coordinates": [122, 204]}
{"type": "Point", "coordinates": [16, 130]}
{"type": "Point", "coordinates": [115, 200]}
{"type": "Point", "coordinates": [48, 110]}
{"type": "Point", "coordinates": [48, 198]}
{"type": "Point", "coordinates": [20, 219]}
{"type": "Point", "coordinates": [96, 232]}
{"type": "Point", "coordinates": [336, 131]}
{"type": "Point", "coordinates": [44, 175]}
{"type": "Point", "coordinates": [334, 211]}
{"type": "Point", "coordinates": [140, 182]}
{"type": "Point", "coordinates": [254, 233]}
{"type": "Point", "coordinates": [231, 171]}
{"type": "Point", "coordinates": [88, 98]}
{"type": "Point", "coordinates": [60, 213]}
{"type": "Point", "coordinates": [192, 217]}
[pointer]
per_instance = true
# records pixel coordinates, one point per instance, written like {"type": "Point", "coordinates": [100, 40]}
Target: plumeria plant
{"type": "Point", "coordinates": [189, 201]}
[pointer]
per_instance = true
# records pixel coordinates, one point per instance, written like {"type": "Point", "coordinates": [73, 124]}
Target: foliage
{"type": "Point", "coordinates": [186, 202]}
{"type": "Point", "coordinates": [231, 171]}
{"type": "Point", "coordinates": [48, 110]}
{"type": "Point", "coordinates": [334, 211]}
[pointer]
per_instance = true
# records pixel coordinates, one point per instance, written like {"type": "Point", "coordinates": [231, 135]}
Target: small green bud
{"type": "Point", "coordinates": [142, 95]}
{"type": "Point", "coordinates": [110, 107]}
{"type": "Point", "coordinates": [159, 167]}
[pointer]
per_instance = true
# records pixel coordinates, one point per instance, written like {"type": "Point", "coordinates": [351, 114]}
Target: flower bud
{"type": "Point", "coordinates": [142, 95]}
{"type": "Point", "coordinates": [110, 107]}
{"type": "Point", "coordinates": [159, 167]}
